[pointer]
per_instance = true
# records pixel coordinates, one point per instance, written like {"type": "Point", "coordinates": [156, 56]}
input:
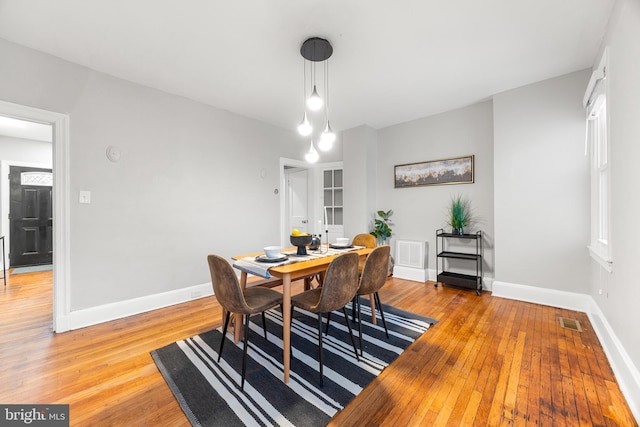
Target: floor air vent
{"type": "Point", "coordinates": [572, 324]}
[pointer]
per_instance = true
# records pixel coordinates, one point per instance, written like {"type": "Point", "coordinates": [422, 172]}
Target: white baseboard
{"type": "Point", "coordinates": [543, 296]}
{"type": "Point", "coordinates": [626, 372]}
{"type": "Point", "coordinates": [410, 273]}
{"type": "Point", "coordinates": [105, 313]}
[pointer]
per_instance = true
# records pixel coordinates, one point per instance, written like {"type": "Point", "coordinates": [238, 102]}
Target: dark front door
{"type": "Point", "coordinates": [30, 216]}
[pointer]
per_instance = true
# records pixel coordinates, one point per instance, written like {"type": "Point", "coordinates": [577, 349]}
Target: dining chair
{"type": "Point", "coordinates": [372, 279]}
{"type": "Point", "coordinates": [366, 240]}
{"type": "Point", "coordinates": [339, 287]}
{"type": "Point", "coordinates": [235, 300]}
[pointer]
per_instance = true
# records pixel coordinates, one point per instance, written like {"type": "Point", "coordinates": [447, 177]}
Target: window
{"type": "Point", "coordinates": [332, 186]}
{"type": "Point", "coordinates": [597, 139]}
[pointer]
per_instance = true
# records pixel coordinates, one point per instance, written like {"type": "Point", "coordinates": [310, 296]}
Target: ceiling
{"type": "Point", "coordinates": [392, 61]}
{"type": "Point", "coordinates": [26, 130]}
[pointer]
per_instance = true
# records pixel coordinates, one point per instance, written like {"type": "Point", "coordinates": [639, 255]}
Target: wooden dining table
{"type": "Point", "coordinates": [289, 273]}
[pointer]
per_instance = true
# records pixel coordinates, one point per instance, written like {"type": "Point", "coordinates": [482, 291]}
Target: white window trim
{"type": "Point", "coordinates": [605, 263]}
{"type": "Point", "coordinates": [599, 249]}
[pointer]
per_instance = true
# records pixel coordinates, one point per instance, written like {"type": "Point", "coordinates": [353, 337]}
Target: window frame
{"type": "Point", "coordinates": [596, 105]}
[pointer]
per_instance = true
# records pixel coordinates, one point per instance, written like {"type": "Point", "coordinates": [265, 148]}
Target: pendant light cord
{"type": "Point", "coordinates": [326, 89]}
{"type": "Point", "coordinates": [304, 81]}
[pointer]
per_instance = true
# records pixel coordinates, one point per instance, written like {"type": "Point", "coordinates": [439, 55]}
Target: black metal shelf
{"type": "Point", "coordinates": [468, 281]}
{"type": "Point", "coordinates": [459, 255]}
{"type": "Point", "coordinates": [460, 236]}
{"type": "Point", "coordinates": [452, 278]}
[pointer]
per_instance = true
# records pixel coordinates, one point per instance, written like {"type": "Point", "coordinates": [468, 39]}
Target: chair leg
{"type": "Point", "coordinates": [224, 333]}
{"type": "Point", "coordinates": [290, 335]}
{"type": "Point", "coordinates": [360, 326]}
{"type": "Point", "coordinates": [355, 350]}
{"type": "Point", "coordinates": [377, 297]}
{"type": "Point", "coordinates": [354, 307]}
{"type": "Point", "coordinates": [326, 330]}
{"type": "Point", "coordinates": [320, 346]}
{"type": "Point", "coordinates": [244, 350]}
{"type": "Point", "coordinates": [264, 325]}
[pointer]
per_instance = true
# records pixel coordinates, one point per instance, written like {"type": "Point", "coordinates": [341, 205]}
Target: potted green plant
{"type": "Point", "coordinates": [459, 214]}
{"type": "Point", "coordinates": [381, 229]}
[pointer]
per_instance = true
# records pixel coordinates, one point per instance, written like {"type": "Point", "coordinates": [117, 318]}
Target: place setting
{"type": "Point", "coordinates": [272, 254]}
{"type": "Point", "coordinates": [341, 243]}
{"type": "Point", "coordinates": [259, 265]}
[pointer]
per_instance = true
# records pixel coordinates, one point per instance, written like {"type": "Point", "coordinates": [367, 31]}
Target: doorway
{"type": "Point", "coordinates": [58, 125]}
{"type": "Point", "coordinates": [297, 199]}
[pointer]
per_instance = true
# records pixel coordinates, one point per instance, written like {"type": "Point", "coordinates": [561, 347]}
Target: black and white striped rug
{"type": "Point", "coordinates": [209, 392]}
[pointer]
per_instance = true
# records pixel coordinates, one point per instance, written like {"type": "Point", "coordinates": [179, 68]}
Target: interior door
{"type": "Point", "coordinates": [298, 200]}
{"type": "Point", "coordinates": [30, 216]}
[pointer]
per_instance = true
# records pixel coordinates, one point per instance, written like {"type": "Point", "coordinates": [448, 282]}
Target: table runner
{"type": "Point", "coordinates": [257, 268]}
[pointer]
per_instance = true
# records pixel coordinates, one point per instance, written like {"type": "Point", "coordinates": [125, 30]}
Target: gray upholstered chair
{"type": "Point", "coordinates": [234, 300]}
{"type": "Point", "coordinates": [373, 277]}
{"type": "Point", "coordinates": [368, 241]}
{"type": "Point", "coordinates": [339, 287]}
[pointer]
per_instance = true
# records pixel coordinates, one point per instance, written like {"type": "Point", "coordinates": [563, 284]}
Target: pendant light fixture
{"type": "Point", "coordinates": [316, 49]}
{"type": "Point", "coordinates": [312, 155]}
{"type": "Point", "coordinates": [304, 128]}
{"type": "Point", "coordinates": [328, 137]}
{"type": "Point", "coordinates": [314, 102]}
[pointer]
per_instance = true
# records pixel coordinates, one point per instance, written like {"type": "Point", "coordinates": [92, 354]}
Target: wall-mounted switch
{"type": "Point", "coordinates": [85, 196]}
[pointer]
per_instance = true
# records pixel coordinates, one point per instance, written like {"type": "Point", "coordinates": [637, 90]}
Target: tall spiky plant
{"type": "Point", "coordinates": [460, 215]}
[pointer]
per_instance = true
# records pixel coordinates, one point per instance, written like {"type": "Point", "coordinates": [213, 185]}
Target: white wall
{"type": "Point", "coordinates": [189, 182]}
{"type": "Point", "coordinates": [359, 156]}
{"type": "Point", "coordinates": [621, 289]}
{"type": "Point", "coordinates": [420, 211]}
{"type": "Point", "coordinates": [25, 150]}
{"type": "Point", "coordinates": [18, 151]}
{"type": "Point", "coordinates": [542, 185]}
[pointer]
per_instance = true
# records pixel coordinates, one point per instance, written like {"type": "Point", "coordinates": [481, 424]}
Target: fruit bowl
{"type": "Point", "coordinates": [301, 242]}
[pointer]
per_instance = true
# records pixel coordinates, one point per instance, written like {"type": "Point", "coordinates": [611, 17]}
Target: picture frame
{"type": "Point", "coordinates": [457, 170]}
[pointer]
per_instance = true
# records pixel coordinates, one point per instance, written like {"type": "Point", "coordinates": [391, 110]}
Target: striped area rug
{"type": "Point", "coordinates": [209, 392]}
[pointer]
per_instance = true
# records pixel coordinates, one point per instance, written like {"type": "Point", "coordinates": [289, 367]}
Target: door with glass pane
{"type": "Point", "coordinates": [333, 202]}
{"type": "Point", "coordinates": [30, 216]}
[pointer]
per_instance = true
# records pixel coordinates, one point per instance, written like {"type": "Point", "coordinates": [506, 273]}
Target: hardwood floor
{"type": "Point", "coordinates": [489, 361]}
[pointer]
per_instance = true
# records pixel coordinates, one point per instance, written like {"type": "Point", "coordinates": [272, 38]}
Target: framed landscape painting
{"type": "Point", "coordinates": [458, 170]}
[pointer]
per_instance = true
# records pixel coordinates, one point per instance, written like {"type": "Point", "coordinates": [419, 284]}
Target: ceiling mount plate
{"type": "Point", "coordinates": [316, 49]}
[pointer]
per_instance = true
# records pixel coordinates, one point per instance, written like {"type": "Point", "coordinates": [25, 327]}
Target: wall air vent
{"type": "Point", "coordinates": [410, 253]}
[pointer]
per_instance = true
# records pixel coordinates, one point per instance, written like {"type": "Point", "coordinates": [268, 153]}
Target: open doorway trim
{"type": "Point", "coordinates": [283, 194]}
{"type": "Point", "coordinates": [61, 204]}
